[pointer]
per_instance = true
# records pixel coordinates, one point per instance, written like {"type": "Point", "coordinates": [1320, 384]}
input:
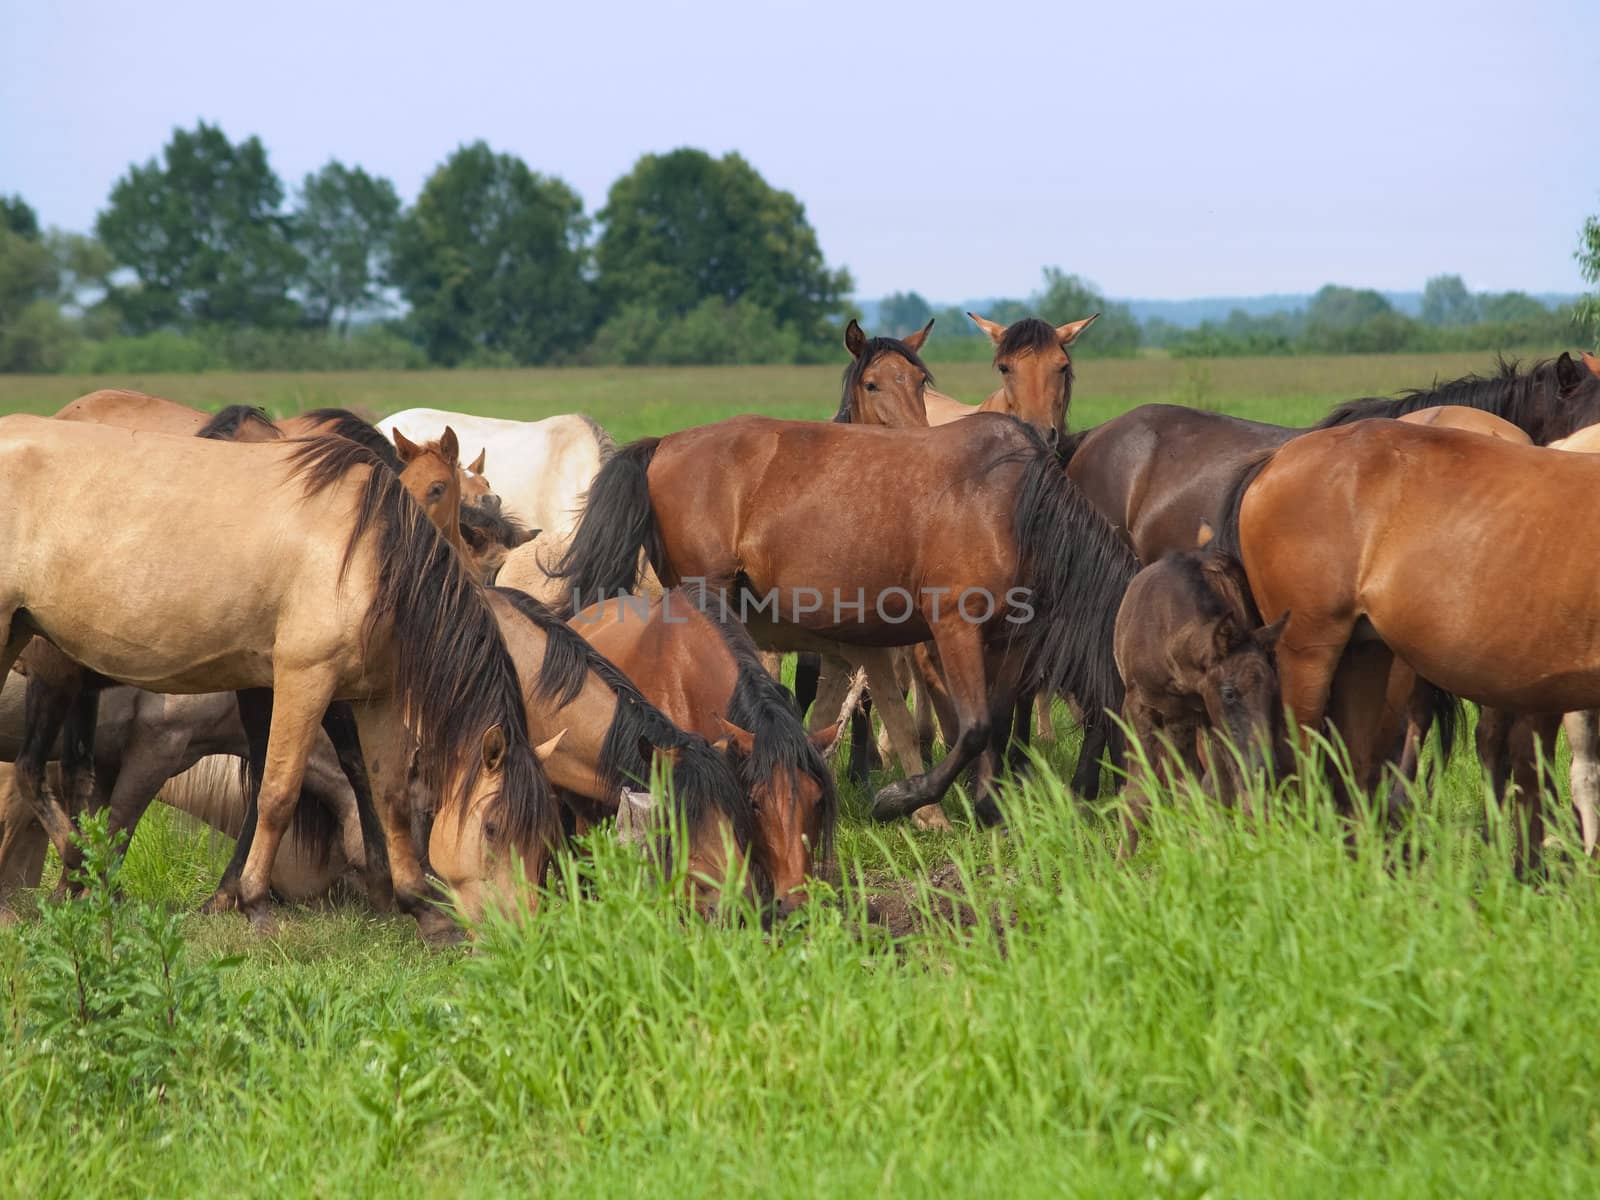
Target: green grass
{"type": "Point", "coordinates": [1242, 1011]}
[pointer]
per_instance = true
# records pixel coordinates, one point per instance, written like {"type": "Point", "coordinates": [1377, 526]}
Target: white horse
{"type": "Point", "coordinates": [542, 469]}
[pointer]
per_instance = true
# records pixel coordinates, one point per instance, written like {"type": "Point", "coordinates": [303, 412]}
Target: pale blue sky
{"type": "Point", "coordinates": [1162, 150]}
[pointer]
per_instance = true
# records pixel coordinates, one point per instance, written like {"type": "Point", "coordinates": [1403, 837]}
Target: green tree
{"type": "Point", "coordinates": [493, 263]}
{"type": "Point", "coordinates": [17, 216]}
{"type": "Point", "coordinates": [1068, 298]}
{"type": "Point", "coordinates": [684, 227]}
{"type": "Point", "coordinates": [344, 229]}
{"type": "Point", "coordinates": [902, 313]}
{"type": "Point", "coordinates": [203, 232]}
{"type": "Point", "coordinates": [1588, 256]}
{"type": "Point", "coordinates": [1446, 301]}
{"type": "Point", "coordinates": [1510, 306]}
{"type": "Point", "coordinates": [1354, 320]}
{"type": "Point", "coordinates": [34, 336]}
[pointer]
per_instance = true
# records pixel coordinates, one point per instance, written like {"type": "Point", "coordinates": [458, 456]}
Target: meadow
{"type": "Point", "coordinates": [1245, 1010]}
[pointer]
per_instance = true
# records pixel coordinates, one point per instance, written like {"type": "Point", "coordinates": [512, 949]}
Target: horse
{"type": "Point", "coordinates": [542, 468]}
{"type": "Point", "coordinates": [1035, 373]}
{"type": "Point", "coordinates": [689, 655]}
{"type": "Point", "coordinates": [979, 508]}
{"type": "Point", "coordinates": [609, 732]}
{"type": "Point", "coordinates": [1408, 541]}
{"type": "Point", "coordinates": [1159, 470]}
{"type": "Point", "coordinates": [1193, 660]}
{"type": "Point", "coordinates": [366, 603]}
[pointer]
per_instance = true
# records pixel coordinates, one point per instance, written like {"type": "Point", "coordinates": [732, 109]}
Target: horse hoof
{"type": "Point", "coordinates": [440, 932]}
{"type": "Point", "coordinates": [262, 922]}
{"type": "Point", "coordinates": [380, 894]}
{"type": "Point", "coordinates": [223, 900]}
{"type": "Point", "coordinates": [988, 812]}
{"type": "Point", "coordinates": [895, 801]}
{"type": "Point", "coordinates": [930, 817]}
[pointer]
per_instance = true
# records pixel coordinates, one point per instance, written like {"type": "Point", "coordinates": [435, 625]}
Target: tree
{"type": "Point", "coordinates": [492, 262]}
{"type": "Point", "coordinates": [684, 227]}
{"type": "Point", "coordinates": [204, 234]}
{"type": "Point", "coordinates": [17, 216]}
{"type": "Point", "coordinates": [344, 230]}
{"type": "Point", "coordinates": [34, 336]}
{"type": "Point", "coordinates": [1446, 301]}
{"type": "Point", "coordinates": [1068, 298]}
{"type": "Point", "coordinates": [1588, 256]}
{"type": "Point", "coordinates": [1354, 320]}
{"type": "Point", "coordinates": [902, 313]}
{"type": "Point", "coordinates": [1508, 307]}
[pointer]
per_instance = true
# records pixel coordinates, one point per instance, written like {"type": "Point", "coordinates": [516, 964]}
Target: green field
{"type": "Point", "coordinates": [1244, 1011]}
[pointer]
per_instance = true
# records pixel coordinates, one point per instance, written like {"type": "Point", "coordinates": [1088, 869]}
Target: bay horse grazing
{"type": "Point", "coordinates": [1159, 470]}
{"type": "Point", "coordinates": [364, 603]}
{"type": "Point", "coordinates": [610, 733]}
{"type": "Point", "coordinates": [1195, 660]}
{"type": "Point", "coordinates": [1411, 540]}
{"type": "Point", "coordinates": [693, 658]}
{"type": "Point", "coordinates": [1035, 373]}
{"type": "Point", "coordinates": [979, 509]}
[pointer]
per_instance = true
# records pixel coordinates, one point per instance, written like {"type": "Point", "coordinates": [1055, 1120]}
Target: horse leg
{"type": "Point", "coordinates": [1532, 743]}
{"type": "Point", "coordinates": [299, 700]}
{"type": "Point", "coordinates": [22, 843]}
{"type": "Point", "coordinates": [1583, 735]}
{"type": "Point", "coordinates": [926, 658]}
{"type": "Point", "coordinates": [388, 748]}
{"type": "Point", "coordinates": [807, 678]}
{"type": "Point", "coordinates": [960, 647]}
{"type": "Point", "coordinates": [1491, 740]}
{"type": "Point", "coordinates": [1045, 724]}
{"type": "Point", "coordinates": [921, 703]}
{"type": "Point", "coordinates": [255, 714]}
{"type": "Point", "coordinates": [77, 752]}
{"type": "Point", "coordinates": [1306, 668]}
{"type": "Point", "coordinates": [339, 723]}
{"type": "Point", "coordinates": [881, 682]}
{"type": "Point", "coordinates": [1143, 770]}
{"type": "Point", "coordinates": [1097, 736]}
{"type": "Point", "coordinates": [1358, 712]}
{"type": "Point", "coordinates": [44, 709]}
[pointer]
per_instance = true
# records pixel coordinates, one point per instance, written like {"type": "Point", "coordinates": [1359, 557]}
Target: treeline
{"type": "Point", "coordinates": [202, 258]}
{"type": "Point", "coordinates": [1342, 320]}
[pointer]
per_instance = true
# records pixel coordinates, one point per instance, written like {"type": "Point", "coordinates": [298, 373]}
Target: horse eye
{"type": "Point", "coordinates": [1003, 369]}
{"type": "Point", "coordinates": [872, 387]}
{"type": "Point", "coordinates": [436, 491]}
{"type": "Point", "coordinates": [1229, 693]}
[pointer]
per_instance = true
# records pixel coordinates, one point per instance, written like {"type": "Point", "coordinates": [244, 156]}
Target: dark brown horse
{"type": "Point", "coordinates": [1195, 660]}
{"type": "Point", "coordinates": [690, 656]}
{"type": "Point", "coordinates": [1159, 470]}
{"type": "Point", "coordinates": [1464, 556]}
{"type": "Point", "coordinates": [968, 535]}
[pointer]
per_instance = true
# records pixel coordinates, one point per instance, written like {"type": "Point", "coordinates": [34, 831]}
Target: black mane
{"type": "Point", "coordinates": [763, 707]}
{"type": "Point", "coordinates": [481, 529]}
{"type": "Point", "coordinates": [341, 422]}
{"type": "Point", "coordinates": [224, 425]}
{"type": "Point", "coordinates": [452, 673]}
{"type": "Point", "coordinates": [875, 349]}
{"type": "Point", "coordinates": [1539, 401]}
{"type": "Point", "coordinates": [701, 780]}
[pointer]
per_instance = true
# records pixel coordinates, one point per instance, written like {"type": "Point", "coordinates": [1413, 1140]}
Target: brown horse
{"type": "Point", "coordinates": [1035, 373]}
{"type": "Point", "coordinates": [1407, 541]}
{"type": "Point", "coordinates": [689, 655]}
{"type": "Point", "coordinates": [136, 410]}
{"type": "Point", "coordinates": [363, 603]}
{"type": "Point", "coordinates": [610, 735]}
{"type": "Point", "coordinates": [969, 535]}
{"type": "Point", "coordinates": [1194, 660]}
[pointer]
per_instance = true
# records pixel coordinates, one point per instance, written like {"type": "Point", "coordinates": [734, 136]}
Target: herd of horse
{"type": "Point", "coordinates": [426, 683]}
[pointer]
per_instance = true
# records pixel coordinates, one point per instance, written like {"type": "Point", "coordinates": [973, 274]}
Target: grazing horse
{"type": "Point", "coordinates": [1465, 556]}
{"type": "Point", "coordinates": [609, 733]}
{"type": "Point", "coordinates": [1035, 373]}
{"type": "Point", "coordinates": [1159, 470]}
{"type": "Point", "coordinates": [688, 654]}
{"type": "Point", "coordinates": [1194, 660]}
{"type": "Point", "coordinates": [365, 603]}
{"type": "Point", "coordinates": [978, 509]}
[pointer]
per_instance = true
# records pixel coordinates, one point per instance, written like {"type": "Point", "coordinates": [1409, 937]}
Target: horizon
{"type": "Point", "coordinates": [915, 179]}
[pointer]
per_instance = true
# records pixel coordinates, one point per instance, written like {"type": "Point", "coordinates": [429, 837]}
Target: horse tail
{"type": "Point", "coordinates": [1075, 569]}
{"type": "Point", "coordinates": [618, 522]}
{"type": "Point", "coordinates": [1448, 714]}
{"type": "Point", "coordinates": [1227, 533]}
{"type": "Point", "coordinates": [807, 674]}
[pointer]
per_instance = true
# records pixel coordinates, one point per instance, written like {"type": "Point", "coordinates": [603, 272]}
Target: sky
{"type": "Point", "coordinates": [1162, 150]}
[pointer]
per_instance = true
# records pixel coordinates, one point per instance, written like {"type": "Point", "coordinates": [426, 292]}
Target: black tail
{"type": "Point", "coordinates": [618, 522]}
{"type": "Point", "coordinates": [807, 674]}
{"type": "Point", "coordinates": [1448, 715]}
{"type": "Point", "coordinates": [1076, 569]}
{"type": "Point", "coordinates": [1227, 532]}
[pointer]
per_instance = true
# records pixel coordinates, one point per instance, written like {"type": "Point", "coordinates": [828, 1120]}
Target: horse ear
{"type": "Point", "coordinates": [449, 447]}
{"type": "Point", "coordinates": [855, 339]}
{"type": "Point", "coordinates": [743, 740]}
{"type": "Point", "coordinates": [1267, 636]}
{"type": "Point", "coordinates": [823, 739]}
{"type": "Point", "coordinates": [407, 448]}
{"type": "Point", "coordinates": [476, 465]}
{"type": "Point", "coordinates": [1568, 374]}
{"type": "Point", "coordinates": [494, 747]}
{"type": "Point", "coordinates": [1068, 333]}
{"type": "Point", "coordinates": [1203, 538]}
{"type": "Point", "coordinates": [916, 340]}
{"type": "Point", "coordinates": [995, 332]}
{"type": "Point", "coordinates": [544, 751]}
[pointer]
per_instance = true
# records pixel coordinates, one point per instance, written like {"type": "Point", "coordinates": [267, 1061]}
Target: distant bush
{"type": "Point", "coordinates": [166, 352]}
{"type": "Point", "coordinates": [713, 332]}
